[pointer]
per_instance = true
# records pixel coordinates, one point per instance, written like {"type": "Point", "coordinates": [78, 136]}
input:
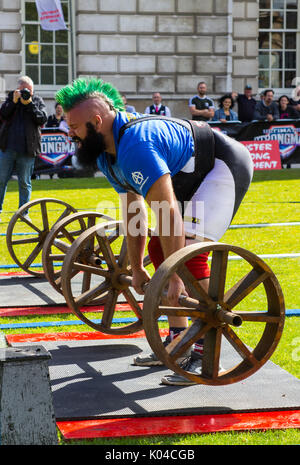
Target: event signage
{"type": "Point", "coordinates": [265, 154]}
{"type": "Point", "coordinates": [286, 132]}
{"type": "Point", "coordinates": [56, 148]}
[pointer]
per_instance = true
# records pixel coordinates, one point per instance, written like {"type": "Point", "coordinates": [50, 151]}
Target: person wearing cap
{"type": "Point", "coordinates": [246, 104]}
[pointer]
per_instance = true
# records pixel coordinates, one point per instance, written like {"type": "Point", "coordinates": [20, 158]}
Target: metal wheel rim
{"type": "Point", "coordinates": [41, 233]}
{"type": "Point", "coordinates": [273, 319]}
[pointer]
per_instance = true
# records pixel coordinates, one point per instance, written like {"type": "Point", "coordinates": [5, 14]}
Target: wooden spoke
{"type": "Point", "coordinates": [258, 317]}
{"type": "Point", "coordinates": [244, 287]}
{"type": "Point", "coordinates": [91, 294]}
{"type": "Point", "coordinates": [193, 287]}
{"type": "Point", "coordinates": [211, 353]}
{"type": "Point", "coordinates": [33, 255]}
{"type": "Point", "coordinates": [186, 339]}
{"type": "Point", "coordinates": [109, 308]}
{"type": "Point", "coordinates": [45, 216]}
{"type": "Point", "coordinates": [239, 346]}
{"type": "Point", "coordinates": [218, 274]}
{"type": "Point", "coordinates": [132, 302]}
{"type": "Point", "coordinates": [31, 240]}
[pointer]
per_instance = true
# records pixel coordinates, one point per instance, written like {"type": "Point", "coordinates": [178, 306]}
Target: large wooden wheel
{"type": "Point", "coordinates": [59, 240]}
{"type": "Point", "coordinates": [91, 271]}
{"type": "Point", "coordinates": [25, 238]}
{"type": "Point", "coordinates": [236, 335]}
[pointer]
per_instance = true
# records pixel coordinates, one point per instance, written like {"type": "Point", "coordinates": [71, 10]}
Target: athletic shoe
{"type": "Point", "coordinates": [192, 364]}
{"type": "Point", "coordinates": [148, 360]}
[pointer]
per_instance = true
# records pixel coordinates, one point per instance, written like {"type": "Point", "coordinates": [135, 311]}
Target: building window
{"type": "Point", "coordinates": [46, 54]}
{"type": "Point", "coordinates": [278, 24]}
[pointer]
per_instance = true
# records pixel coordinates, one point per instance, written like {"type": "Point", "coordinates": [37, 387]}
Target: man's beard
{"type": "Point", "coordinates": [90, 147]}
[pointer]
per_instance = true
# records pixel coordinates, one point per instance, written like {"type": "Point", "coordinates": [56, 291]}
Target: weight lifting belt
{"type": "Point", "coordinates": [186, 184]}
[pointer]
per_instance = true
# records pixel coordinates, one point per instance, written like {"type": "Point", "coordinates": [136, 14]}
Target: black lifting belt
{"type": "Point", "coordinates": [185, 184]}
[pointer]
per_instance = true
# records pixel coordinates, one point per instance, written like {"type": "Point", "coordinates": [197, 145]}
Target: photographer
{"type": "Point", "coordinates": [23, 113]}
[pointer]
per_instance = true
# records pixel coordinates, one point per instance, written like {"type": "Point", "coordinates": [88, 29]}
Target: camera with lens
{"type": "Point", "coordinates": [25, 94]}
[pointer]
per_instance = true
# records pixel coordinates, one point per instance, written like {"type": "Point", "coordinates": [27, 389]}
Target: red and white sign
{"type": "Point", "coordinates": [265, 155]}
{"type": "Point", "coordinates": [50, 15]}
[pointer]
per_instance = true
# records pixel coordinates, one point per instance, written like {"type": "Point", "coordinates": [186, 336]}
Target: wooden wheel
{"type": "Point", "coordinates": [241, 316]}
{"type": "Point", "coordinates": [91, 271]}
{"type": "Point", "coordinates": [32, 232]}
{"type": "Point", "coordinates": [59, 240]}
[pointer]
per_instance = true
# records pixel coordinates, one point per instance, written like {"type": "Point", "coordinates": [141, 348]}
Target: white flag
{"type": "Point", "coordinates": [50, 15]}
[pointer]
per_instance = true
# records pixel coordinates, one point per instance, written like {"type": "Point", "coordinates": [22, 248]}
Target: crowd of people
{"type": "Point", "coordinates": [25, 114]}
{"type": "Point", "coordinates": [243, 107]}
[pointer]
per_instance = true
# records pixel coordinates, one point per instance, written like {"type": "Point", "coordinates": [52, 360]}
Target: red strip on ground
{"type": "Point", "coordinates": [73, 336]}
{"type": "Point", "coordinates": [48, 310]}
{"type": "Point", "coordinates": [148, 426]}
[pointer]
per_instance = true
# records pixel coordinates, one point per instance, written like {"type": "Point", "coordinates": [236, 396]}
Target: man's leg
{"type": "Point", "coordinates": [7, 161]}
{"type": "Point", "coordinates": [199, 268]}
{"type": "Point", "coordinates": [24, 167]}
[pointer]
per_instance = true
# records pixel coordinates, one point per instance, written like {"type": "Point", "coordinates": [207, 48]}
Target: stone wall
{"type": "Point", "coordinates": [143, 46]}
{"type": "Point", "coordinates": [168, 46]}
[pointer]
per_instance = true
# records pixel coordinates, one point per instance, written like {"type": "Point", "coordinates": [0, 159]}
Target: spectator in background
{"type": "Point", "coordinates": [129, 108]}
{"type": "Point", "coordinates": [201, 107]}
{"type": "Point", "coordinates": [295, 100]}
{"type": "Point", "coordinates": [225, 112]}
{"type": "Point", "coordinates": [23, 113]}
{"type": "Point", "coordinates": [157, 108]}
{"type": "Point", "coordinates": [286, 111]}
{"type": "Point", "coordinates": [55, 119]}
{"type": "Point", "coordinates": [246, 104]}
{"type": "Point", "coordinates": [266, 109]}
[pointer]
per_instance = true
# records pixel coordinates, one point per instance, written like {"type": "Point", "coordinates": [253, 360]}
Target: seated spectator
{"type": "Point", "coordinates": [246, 104]}
{"type": "Point", "coordinates": [55, 119]}
{"type": "Point", "coordinates": [129, 108]}
{"type": "Point", "coordinates": [157, 108]}
{"type": "Point", "coordinates": [225, 112]}
{"type": "Point", "coordinates": [286, 111]}
{"type": "Point", "coordinates": [266, 109]}
{"type": "Point", "coordinates": [201, 107]}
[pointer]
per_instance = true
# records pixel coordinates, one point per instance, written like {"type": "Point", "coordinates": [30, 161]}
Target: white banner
{"type": "Point", "coordinates": [50, 15]}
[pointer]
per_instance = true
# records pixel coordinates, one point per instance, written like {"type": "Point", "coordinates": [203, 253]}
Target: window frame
{"type": "Point", "coordinates": [281, 90]}
{"type": "Point", "coordinates": [70, 41]}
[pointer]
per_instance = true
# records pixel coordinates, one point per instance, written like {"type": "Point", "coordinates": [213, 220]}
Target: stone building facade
{"type": "Point", "coordinates": [141, 46]}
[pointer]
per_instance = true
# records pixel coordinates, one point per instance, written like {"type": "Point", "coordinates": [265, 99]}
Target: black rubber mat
{"type": "Point", "coordinates": [96, 379]}
{"type": "Point", "coordinates": [27, 290]}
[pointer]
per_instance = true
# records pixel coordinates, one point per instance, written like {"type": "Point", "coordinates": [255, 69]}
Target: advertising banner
{"type": "Point", "coordinates": [57, 151]}
{"type": "Point", "coordinates": [286, 132]}
{"type": "Point", "coordinates": [265, 155]}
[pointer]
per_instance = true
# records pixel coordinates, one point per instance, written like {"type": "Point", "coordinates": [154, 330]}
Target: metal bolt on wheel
{"type": "Point", "coordinates": [32, 232]}
{"type": "Point", "coordinates": [225, 315]}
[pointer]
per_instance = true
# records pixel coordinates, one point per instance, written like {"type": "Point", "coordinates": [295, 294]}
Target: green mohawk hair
{"type": "Point", "coordinates": [82, 89]}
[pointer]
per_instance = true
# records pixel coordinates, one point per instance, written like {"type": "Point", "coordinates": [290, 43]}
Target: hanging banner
{"type": "Point", "coordinates": [50, 15]}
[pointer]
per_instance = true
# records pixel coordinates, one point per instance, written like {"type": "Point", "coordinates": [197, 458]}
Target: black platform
{"type": "Point", "coordinates": [96, 379]}
{"type": "Point", "coordinates": [27, 290]}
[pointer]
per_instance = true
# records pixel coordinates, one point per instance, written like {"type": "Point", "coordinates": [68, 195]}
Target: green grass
{"type": "Point", "coordinates": [273, 197]}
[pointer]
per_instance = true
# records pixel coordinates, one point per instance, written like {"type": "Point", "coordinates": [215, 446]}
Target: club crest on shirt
{"type": "Point", "coordinates": [138, 178]}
